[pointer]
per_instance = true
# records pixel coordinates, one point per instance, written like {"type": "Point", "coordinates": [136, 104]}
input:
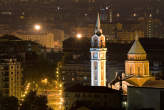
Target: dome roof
{"type": "Point", "coordinates": [136, 48]}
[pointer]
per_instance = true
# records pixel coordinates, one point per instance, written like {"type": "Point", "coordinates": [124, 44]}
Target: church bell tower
{"type": "Point", "coordinates": [98, 57]}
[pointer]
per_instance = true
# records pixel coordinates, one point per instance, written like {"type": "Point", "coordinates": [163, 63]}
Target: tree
{"type": "Point", "coordinates": [34, 102]}
{"type": "Point", "coordinates": [8, 103]}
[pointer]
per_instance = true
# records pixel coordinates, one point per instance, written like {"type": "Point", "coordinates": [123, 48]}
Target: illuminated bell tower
{"type": "Point", "coordinates": [98, 57]}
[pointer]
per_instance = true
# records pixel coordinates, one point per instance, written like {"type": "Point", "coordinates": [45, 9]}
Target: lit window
{"type": "Point", "coordinates": [134, 14]}
{"type": "Point", "coordinates": [139, 71]}
{"type": "Point", "coordinates": [118, 15]}
{"type": "Point", "coordinates": [85, 78]}
{"type": "Point", "coordinates": [130, 69]}
{"type": "Point", "coordinates": [145, 70]}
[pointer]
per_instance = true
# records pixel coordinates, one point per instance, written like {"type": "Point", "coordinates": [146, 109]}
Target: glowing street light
{"type": "Point", "coordinates": [37, 27]}
{"type": "Point", "coordinates": [78, 36]}
{"type": "Point", "coordinates": [45, 81]}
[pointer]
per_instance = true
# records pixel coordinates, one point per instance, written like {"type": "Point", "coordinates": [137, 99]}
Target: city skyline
{"type": "Point", "coordinates": [81, 54]}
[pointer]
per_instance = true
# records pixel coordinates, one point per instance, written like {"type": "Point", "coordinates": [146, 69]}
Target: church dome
{"type": "Point", "coordinates": [136, 48]}
{"type": "Point", "coordinates": [137, 52]}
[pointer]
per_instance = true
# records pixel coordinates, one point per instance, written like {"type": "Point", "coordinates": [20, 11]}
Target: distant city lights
{"type": "Point", "coordinates": [45, 81]}
{"type": "Point", "coordinates": [150, 15]}
{"type": "Point", "coordinates": [134, 14]}
{"type": "Point", "coordinates": [118, 14]}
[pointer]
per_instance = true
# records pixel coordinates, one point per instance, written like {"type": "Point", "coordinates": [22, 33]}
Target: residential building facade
{"type": "Point", "coordinates": [10, 77]}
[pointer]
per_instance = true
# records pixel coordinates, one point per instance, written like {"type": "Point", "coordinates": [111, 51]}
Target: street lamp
{"type": "Point", "coordinates": [78, 36]}
{"type": "Point", "coordinates": [37, 27]}
{"type": "Point", "coordinates": [45, 81]}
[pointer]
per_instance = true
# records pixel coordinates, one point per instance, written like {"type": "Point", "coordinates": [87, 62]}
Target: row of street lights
{"type": "Point", "coordinates": [27, 89]}
{"type": "Point", "coordinates": [38, 27]}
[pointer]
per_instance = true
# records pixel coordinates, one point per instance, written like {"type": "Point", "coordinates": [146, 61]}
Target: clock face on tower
{"type": "Point", "coordinates": [102, 55]}
{"type": "Point", "coordinates": [95, 55]}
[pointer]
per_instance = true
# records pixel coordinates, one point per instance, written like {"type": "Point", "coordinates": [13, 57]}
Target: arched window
{"type": "Point", "coordinates": [95, 71]}
{"type": "Point", "coordinates": [139, 71]}
{"type": "Point", "coordinates": [130, 69]}
{"type": "Point", "coordinates": [145, 70]}
{"type": "Point", "coordinates": [94, 42]}
{"type": "Point", "coordinates": [102, 70]}
{"type": "Point", "coordinates": [102, 41]}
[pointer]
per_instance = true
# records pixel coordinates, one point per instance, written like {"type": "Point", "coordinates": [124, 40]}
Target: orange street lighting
{"type": "Point", "coordinates": [78, 36]}
{"type": "Point", "coordinates": [45, 81]}
{"type": "Point", "coordinates": [37, 27]}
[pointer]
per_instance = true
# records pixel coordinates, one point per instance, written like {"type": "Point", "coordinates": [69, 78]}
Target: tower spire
{"type": "Point", "coordinates": [98, 22]}
{"type": "Point", "coordinates": [98, 25]}
{"type": "Point", "coordinates": [137, 47]}
{"type": "Point", "coordinates": [98, 56]}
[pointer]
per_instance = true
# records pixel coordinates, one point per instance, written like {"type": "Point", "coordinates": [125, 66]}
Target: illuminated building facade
{"type": "Point", "coordinates": [10, 77]}
{"type": "Point", "coordinates": [98, 57]}
{"type": "Point", "coordinates": [49, 40]}
{"type": "Point", "coordinates": [137, 64]}
{"type": "Point", "coordinates": [149, 26]}
{"type": "Point", "coordinates": [45, 39]}
{"type": "Point", "coordinates": [73, 73]}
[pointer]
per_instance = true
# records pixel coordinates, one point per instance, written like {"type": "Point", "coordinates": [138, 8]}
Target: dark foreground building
{"type": "Point", "coordinates": [146, 98]}
{"type": "Point", "coordinates": [92, 97]}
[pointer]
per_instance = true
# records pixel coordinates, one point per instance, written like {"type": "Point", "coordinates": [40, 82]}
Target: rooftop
{"type": "Point", "coordinates": [154, 84]}
{"type": "Point", "coordinates": [90, 89]}
{"type": "Point", "coordinates": [136, 48]}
